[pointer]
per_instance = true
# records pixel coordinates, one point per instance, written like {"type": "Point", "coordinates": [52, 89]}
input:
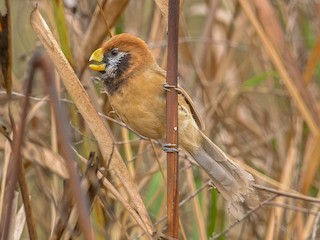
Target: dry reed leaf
{"type": "Point", "coordinates": [309, 223]}
{"type": "Point", "coordinates": [287, 175]}
{"type": "Point", "coordinates": [312, 63]}
{"type": "Point", "coordinates": [202, 49]}
{"type": "Point", "coordinates": [271, 24]}
{"type": "Point", "coordinates": [34, 110]}
{"type": "Point", "coordinates": [90, 115]}
{"type": "Point", "coordinates": [196, 206]}
{"type": "Point", "coordinates": [45, 158]}
{"type": "Point", "coordinates": [310, 163]}
{"type": "Point", "coordinates": [13, 227]}
{"type": "Point", "coordinates": [4, 173]}
{"type": "Point", "coordinates": [279, 65]}
{"type": "Point", "coordinates": [309, 172]}
{"type": "Point", "coordinates": [20, 221]}
{"type": "Point", "coordinates": [272, 27]}
{"type": "Point", "coordinates": [128, 150]}
{"type": "Point", "coordinates": [163, 6]}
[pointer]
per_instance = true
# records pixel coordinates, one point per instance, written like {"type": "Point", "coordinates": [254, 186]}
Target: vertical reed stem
{"type": "Point", "coordinates": [172, 121]}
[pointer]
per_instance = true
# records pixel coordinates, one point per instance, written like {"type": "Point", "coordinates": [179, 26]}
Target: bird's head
{"type": "Point", "coordinates": [120, 57]}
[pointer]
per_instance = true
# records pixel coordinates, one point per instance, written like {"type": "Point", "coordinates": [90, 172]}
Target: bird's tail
{"type": "Point", "coordinates": [234, 183]}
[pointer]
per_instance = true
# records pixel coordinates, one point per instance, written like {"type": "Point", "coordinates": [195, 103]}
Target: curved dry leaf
{"type": "Point", "coordinates": [20, 221]}
{"type": "Point", "coordinates": [14, 228]}
{"type": "Point", "coordinates": [4, 172]}
{"type": "Point", "coordinates": [45, 158]}
{"type": "Point", "coordinates": [163, 6]}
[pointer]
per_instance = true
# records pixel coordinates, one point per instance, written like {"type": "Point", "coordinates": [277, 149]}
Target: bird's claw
{"type": "Point", "coordinates": [170, 147]}
{"type": "Point", "coordinates": [167, 87]}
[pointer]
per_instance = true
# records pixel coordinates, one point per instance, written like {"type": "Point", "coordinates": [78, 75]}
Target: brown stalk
{"type": "Point", "coordinates": [97, 127]}
{"type": "Point", "coordinates": [66, 151]}
{"type": "Point", "coordinates": [15, 163]}
{"type": "Point", "coordinates": [26, 203]}
{"type": "Point", "coordinates": [172, 121]}
{"type": "Point", "coordinates": [297, 196]}
{"type": "Point", "coordinates": [6, 48]}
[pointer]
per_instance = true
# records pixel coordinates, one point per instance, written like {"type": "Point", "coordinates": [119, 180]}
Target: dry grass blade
{"type": "Point", "coordinates": [276, 59]}
{"type": "Point", "coordinates": [163, 6]}
{"type": "Point", "coordinates": [311, 221]}
{"type": "Point", "coordinates": [20, 221]}
{"type": "Point", "coordinates": [45, 158]}
{"type": "Point", "coordinates": [272, 27]}
{"type": "Point", "coordinates": [14, 231]}
{"type": "Point", "coordinates": [311, 163]}
{"type": "Point", "coordinates": [26, 203]}
{"type": "Point", "coordinates": [128, 150]}
{"type": "Point", "coordinates": [312, 63]}
{"type": "Point", "coordinates": [82, 102]}
{"type": "Point", "coordinates": [195, 201]}
{"type": "Point", "coordinates": [298, 90]}
{"type": "Point", "coordinates": [6, 159]}
{"type": "Point", "coordinates": [60, 20]}
{"type": "Point", "coordinates": [286, 177]}
{"type": "Point", "coordinates": [298, 196]}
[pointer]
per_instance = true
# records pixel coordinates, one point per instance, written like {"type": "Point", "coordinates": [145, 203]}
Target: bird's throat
{"type": "Point", "coordinates": [113, 84]}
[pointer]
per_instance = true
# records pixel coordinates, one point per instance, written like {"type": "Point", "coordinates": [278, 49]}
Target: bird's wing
{"type": "Point", "coordinates": [193, 109]}
{"type": "Point", "coordinates": [188, 100]}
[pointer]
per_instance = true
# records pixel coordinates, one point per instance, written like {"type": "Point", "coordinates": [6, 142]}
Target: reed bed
{"type": "Point", "coordinates": [251, 68]}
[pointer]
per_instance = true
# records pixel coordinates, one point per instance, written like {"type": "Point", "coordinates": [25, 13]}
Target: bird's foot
{"type": "Point", "coordinates": [170, 147]}
{"type": "Point", "coordinates": [167, 87]}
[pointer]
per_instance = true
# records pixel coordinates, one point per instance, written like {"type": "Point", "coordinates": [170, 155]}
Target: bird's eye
{"type": "Point", "coordinates": [114, 51]}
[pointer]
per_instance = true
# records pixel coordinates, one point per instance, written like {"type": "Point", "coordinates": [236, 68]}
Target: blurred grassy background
{"type": "Point", "coordinates": [252, 70]}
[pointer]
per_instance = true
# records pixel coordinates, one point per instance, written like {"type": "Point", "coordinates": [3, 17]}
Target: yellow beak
{"type": "Point", "coordinates": [97, 57]}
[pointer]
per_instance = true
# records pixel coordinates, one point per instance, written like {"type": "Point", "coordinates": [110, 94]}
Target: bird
{"type": "Point", "coordinates": [135, 85]}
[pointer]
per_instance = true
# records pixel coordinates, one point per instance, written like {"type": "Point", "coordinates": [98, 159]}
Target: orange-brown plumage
{"type": "Point", "coordinates": [134, 82]}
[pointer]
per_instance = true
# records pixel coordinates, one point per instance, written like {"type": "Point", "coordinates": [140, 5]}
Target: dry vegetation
{"type": "Point", "coordinates": [252, 70]}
